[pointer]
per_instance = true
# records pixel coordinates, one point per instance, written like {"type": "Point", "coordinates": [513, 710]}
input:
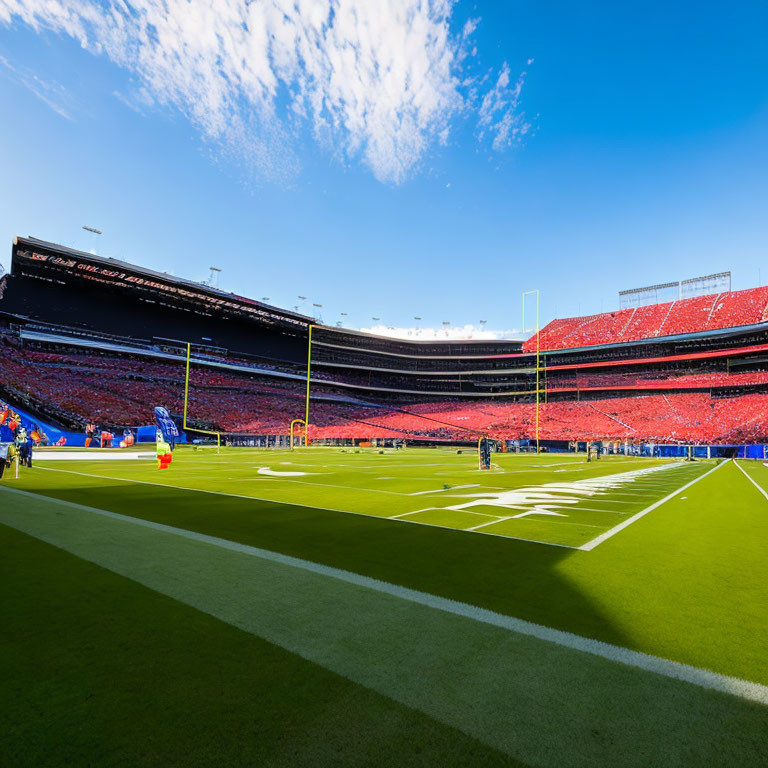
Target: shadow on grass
{"type": "Point", "coordinates": [509, 576]}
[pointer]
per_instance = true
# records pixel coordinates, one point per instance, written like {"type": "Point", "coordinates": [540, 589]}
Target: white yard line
{"type": "Point", "coordinates": [444, 490]}
{"type": "Point", "coordinates": [441, 509]}
{"type": "Point", "coordinates": [749, 477]}
{"type": "Point", "coordinates": [586, 509]}
{"type": "Point", "coordinates": [702, 678]}
{"type": "Point", "coordinates": [331, 485]}
{"type": "Point", "coordinates": [305, 506]}
{"type": "Point", "coordinates": [590, 545]}
{"type": "Point", "coordinates": [492, 522]}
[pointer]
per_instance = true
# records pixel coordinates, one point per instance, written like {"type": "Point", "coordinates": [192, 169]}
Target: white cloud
{"type": "Point", "coordinates": [499, 113]}
{"type": "Point", "coordinates": [378, 81]}
{"type": "Point", "coordinates": [52, 94]}
{"type": "Point", "coordinates": [458, 332]}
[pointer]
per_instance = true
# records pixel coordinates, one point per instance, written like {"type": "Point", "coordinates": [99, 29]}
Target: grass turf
{"type": "Point", "coordinates": [556, 499]}
{"type": "Point", "coordinates": [536, 700]}
{"type": "Point", "coordinates": [100, 671]}
{"type": "Point", "coordinates": [686, 582]}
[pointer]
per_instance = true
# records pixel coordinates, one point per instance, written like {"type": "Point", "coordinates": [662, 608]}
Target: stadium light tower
{"type": "Point", "coordinates": [213, 278]}
{"type": "Point", "coordinates": [376, 319]}
{"type": "Point", "coordinates": [317, 314]}
{"type": "Point", "coordinates": [265, 298]}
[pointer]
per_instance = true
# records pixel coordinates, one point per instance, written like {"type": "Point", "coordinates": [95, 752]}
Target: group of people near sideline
{"type": "Point", "coordinates": [22, 439]}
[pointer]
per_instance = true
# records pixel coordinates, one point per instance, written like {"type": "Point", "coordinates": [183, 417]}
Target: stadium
{"type": "Point", "coordinates": [383, 384]}
{"type": "Point", "coordinates": [689, 372]}
{"type": "Point", "coordinates": [587, 507]}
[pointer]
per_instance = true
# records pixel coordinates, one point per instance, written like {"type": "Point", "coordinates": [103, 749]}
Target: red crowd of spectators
{"type": "Point", "coordinates": [116, 390]}
{"type": "Point", "coordinates": [664, 418]}
{"type": "Point", "coordinates": [653, 380]}
{"type": "Point", "coordinates": [700, 313]}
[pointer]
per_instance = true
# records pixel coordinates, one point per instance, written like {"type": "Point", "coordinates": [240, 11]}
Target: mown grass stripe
{"type": "Point", "coordinates": [752, 480]}
{"type": "Point", "coordinates": [671, 669]}
{"type": "Point", "coordinates": [306, 506]}
{"type": "Point", "coordinates": [540, 702]}
{"type": "Point", "coordinates": [590, 545]}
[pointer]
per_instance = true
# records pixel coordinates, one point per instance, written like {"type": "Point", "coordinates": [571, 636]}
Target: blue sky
{"type": "Point", "coordinates": [631, 150]}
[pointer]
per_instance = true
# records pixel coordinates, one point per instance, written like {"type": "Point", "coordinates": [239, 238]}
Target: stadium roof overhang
{"type": "Point", "coordinates": [39, 258]}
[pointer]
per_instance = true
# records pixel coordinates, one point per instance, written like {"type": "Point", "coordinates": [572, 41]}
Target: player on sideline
{"type": "Point", "coordinates": [24, 446]}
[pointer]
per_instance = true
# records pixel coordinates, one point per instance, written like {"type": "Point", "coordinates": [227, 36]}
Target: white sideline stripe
{"type": "Point", "coordinates": [590, 545]}
{"type": "Point", "coordinates": [396, 518]}
{"type": "Point", "coordinates": [89, 455]}
{"type": "Point", "coordinates": [703, 678]}
{"type": "Point", "coordinates": [749, 477]}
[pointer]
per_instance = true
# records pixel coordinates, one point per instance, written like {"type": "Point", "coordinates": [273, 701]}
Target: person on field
{"type": "Point", "coordinates": [24, 446]}
{"type": "Point", "coordinates": [4, 460]}
{"type": "Point", "coordinates": [7, 456]}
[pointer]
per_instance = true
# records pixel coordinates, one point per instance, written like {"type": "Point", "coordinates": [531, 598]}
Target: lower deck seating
{"type": "Point", "coordinates": [115, 391]}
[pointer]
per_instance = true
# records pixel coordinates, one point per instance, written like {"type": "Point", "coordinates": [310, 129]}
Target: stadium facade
{"type": "Point", "coordinates": [85, 338]}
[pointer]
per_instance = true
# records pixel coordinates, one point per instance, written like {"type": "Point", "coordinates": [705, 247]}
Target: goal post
{"type": "Point", "coordinates": [535, 292]}
{"type": "Point", "coordinates": [186, 402]}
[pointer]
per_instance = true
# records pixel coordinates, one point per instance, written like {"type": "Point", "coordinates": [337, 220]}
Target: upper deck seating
{"type": "Point", "coordinates": [694, 315]}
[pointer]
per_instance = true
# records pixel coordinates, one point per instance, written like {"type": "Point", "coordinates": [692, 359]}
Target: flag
{"type": "Point", "coordinates": [166, 425]}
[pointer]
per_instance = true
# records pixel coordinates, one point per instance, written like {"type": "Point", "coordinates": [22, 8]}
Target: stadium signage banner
{"type": "Point", "coordinates": [103, 274]}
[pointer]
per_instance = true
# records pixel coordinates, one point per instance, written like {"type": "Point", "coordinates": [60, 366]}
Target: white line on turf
{"type": "Point", "coordinates": [703, 678]}
{"type": "Point", "coordinates": [439, 509]}
{"type": "Point", "coordinates": [492, 522]}
{"type": "Point", "coordinates": [590, 545]}
{"type": "Point", "coordinates": [443, 490]}
{"type": "Point", "coordinates": [305, 506]}
{"type": "Point", "coordinates": [751, 480]}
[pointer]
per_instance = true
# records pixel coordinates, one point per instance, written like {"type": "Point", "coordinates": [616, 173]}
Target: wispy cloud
{"type": "Point", "coordinates": [499, 116]}
{"type": "Point", "coordinates": [463, 332]}
{"type": "Point", "coordinates": [51, 93]}
{"type": "Point", "coordinates": [376, 81]}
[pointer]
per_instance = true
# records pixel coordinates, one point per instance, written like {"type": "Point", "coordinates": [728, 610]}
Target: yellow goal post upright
{"type": "Point", "coordinates": [306, 400]}
{"type": "Point", "coordinates": [538, 357]}
{"type": "Point", "coordinates": [186, 401]}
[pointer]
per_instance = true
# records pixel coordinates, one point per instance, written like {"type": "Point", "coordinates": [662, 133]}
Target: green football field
{"type": "Point", "coordinates": [344, 608]}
